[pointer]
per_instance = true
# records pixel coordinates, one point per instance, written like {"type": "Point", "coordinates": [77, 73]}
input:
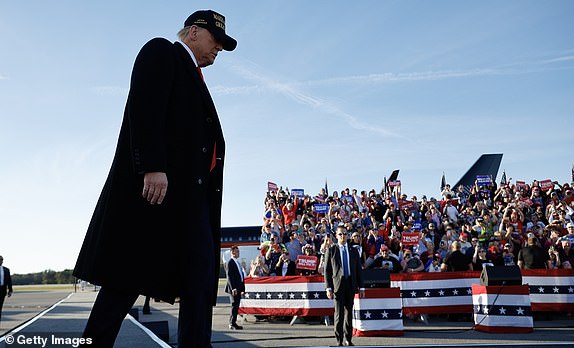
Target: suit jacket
{"type": "Point", "coordinates": [334, 269]}
{"type": "Point", "coordinates": [7, 284]}
{"type": "Point", "coordinates": [170, 125]}
{"type": "Point", "coordinates": [234, 278]}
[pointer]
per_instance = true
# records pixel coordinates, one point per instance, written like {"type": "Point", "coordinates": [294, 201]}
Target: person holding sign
{"type": "Point", "coordinates": [307, 263]}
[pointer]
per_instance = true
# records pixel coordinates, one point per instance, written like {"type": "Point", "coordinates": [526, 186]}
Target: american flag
{"type": "Point", "coordinates": [379, 313]}
{"type": "Point", "coordinates": [503, 179]}
{"type": "Point", "coordinates": [286, 296]}
{"type": "Point", "coordinates": [502, 309]}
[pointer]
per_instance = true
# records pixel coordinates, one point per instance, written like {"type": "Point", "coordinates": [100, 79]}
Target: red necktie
{"type": "Point", "coordinates": [213, 159]}
{"type": "Point", "coordinates": [200, 73]}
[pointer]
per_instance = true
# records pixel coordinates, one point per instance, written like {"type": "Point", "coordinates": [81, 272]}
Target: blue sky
{"type": "Point", "coordinates": [315, 90]}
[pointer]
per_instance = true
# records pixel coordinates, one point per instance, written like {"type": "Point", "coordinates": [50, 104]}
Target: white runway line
{"type": "Point", "coordinates": [149, 333]}
{"type": "Point", "coordinates": [132, 319]}
{"type": "Point", "coordinates": [29, 322]}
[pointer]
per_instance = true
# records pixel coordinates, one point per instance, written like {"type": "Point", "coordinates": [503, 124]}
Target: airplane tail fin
{"type": "Point", "coordinates": [487, 164]}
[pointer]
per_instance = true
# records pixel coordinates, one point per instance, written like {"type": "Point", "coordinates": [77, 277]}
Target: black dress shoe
{"type": "Point", "coordinates": [349, 343]}
{"type": "Point", "coordinates": [235, 327]}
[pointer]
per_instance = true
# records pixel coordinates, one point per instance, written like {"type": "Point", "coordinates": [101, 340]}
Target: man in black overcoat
{"type": "Point", "coordinates": [343, 284]}
{"type": "Point", "coordinates": [164, 190]}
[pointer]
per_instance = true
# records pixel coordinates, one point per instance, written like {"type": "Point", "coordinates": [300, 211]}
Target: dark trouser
{"type": "Point", "coordinates": [197, 296]}
{"type": "Point", "coordinates": [194, 322]}
{"type": "Point", "coordinates": [108, 313]}
{"type": "Point", "coordinates": [2, 297]}
{"type": "Point", "coordinates": [344, 311]}
{"type": "Point", "coordinates": [146, 308]}
{"type": "Point", "coordinates": [235, 300]}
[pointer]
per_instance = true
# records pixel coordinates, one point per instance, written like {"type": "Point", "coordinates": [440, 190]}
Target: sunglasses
{"type": "Point", "coordinates": [342, 234]}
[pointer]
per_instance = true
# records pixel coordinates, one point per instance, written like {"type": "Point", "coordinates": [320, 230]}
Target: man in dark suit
{"type": "Point", "coordinates": [5, 284]}
{"type": "Point", "coordinates": [343, 278]}
{"type": "Point", "coordinates": [170, 133]}
{"type": "Point", "coordinates": [235, 286]}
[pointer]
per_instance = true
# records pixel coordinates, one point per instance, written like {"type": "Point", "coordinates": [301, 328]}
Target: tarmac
{"type": "Point", "coordinates": [59, 316]}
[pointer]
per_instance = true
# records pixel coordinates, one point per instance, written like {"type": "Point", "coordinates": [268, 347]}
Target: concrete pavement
{"type": "Point", "coordinates": [62, 313]}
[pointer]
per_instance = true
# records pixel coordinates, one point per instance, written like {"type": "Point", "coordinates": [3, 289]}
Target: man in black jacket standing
{"type": "Point", "coordinates": [533, 256]}
{"type": "Point", "coordinates": [170, 134]}
{"type": "Point", "coordinates": [235, 286]}
{"type": "Point", "coordinates": [343, 278]}
{"type": "Point", "coordinates": [5, 284]}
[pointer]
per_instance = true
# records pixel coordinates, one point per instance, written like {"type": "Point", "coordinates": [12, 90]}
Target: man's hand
{"type": "Point", "coordinates": [234, 292]}
{"type": "Point", "coordinates": [330, 294]}
{"type": "Point", "coordinates": [154, 187]}
{"type": "Point", "coordinates": [9, 293]}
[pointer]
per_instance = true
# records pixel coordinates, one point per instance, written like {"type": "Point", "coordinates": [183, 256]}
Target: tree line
{"type": "Point", "coordinates": [45, 277]}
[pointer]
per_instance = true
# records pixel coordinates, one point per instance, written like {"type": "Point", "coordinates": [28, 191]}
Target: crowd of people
{"type": "Point", "coordinates": [493, 224]}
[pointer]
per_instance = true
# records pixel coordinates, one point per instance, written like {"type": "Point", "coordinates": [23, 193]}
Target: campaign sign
{"type": "Point", "coordinates": [484, 180]}
{"type": "Point", "coordinates": [406, 205]}
{"type": "Point", "coordinates": [271, 186]}
{"type": "Point", "coordinates": [306, 262]}
{"type": "Point", "coordinates": [411, 238]}
{"type": "Point", "coordinates": [394, 183]}
{"type": "Point", "coordinates": [298, 192]}
{"type": "Point", "coordinates": [546, 185]}
{"type": "Point", "coordinates": [417, 226]}
{"type": "Point", "coordinates": [520, 184]}
{"type": "Point", "coordinates": [527, 201]}
{"type": "Point", "coordinates": [321, 208]}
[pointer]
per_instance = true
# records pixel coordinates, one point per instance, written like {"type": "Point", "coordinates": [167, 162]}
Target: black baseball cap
{"type": "Point", "coordinates": [215, 23]}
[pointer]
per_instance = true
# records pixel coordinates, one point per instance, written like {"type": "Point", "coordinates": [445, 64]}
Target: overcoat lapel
{"type": "Point", "coordinates": [197, 79]}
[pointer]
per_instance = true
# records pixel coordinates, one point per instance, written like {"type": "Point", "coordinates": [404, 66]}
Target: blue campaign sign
{"type": "Point", "coordinates": [321, 208]}
{"type": "Point", "coordinates": [483, 180]}
{"type": "Point", "coordinates": [417, 226]}
{"type": "Point", "coordinates": [298, 192]}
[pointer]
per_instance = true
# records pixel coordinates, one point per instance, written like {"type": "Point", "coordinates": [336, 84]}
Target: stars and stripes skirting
{"type": "Point", "coordinates": [379, 313]}
{"type": "Point", "coordinates": [286, 296]}
{"type": "Point", "coordinates": [421, 293]}
{"type": "Point", "coordinates": [502, 309]}
{"type": "Point", "coordinates": [436, 293]}
{"type": "Point", "coordinates": [554, 295]}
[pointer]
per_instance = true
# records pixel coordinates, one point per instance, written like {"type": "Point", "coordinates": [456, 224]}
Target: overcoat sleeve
{"type": "Point", "coordinates": [147, 106]}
